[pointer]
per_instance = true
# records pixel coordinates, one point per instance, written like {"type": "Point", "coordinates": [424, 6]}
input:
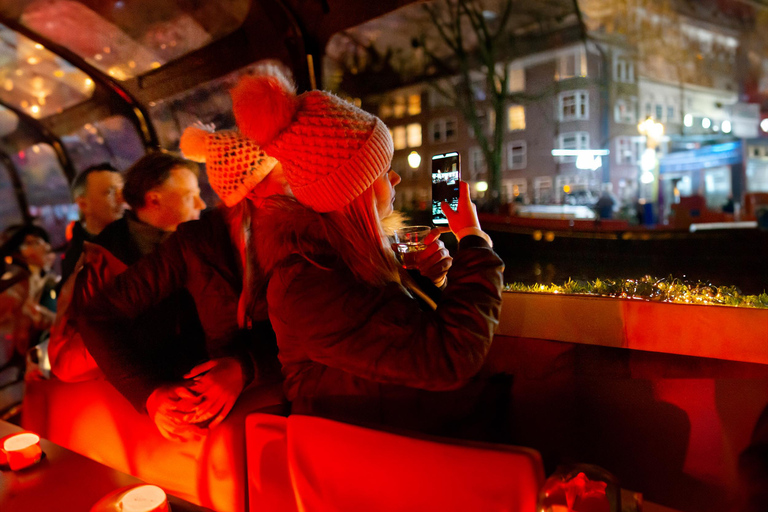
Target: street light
{"type": "Point", "coordinates": [414, 160]}
{"type": "Point", "coordinates": [649, 163]}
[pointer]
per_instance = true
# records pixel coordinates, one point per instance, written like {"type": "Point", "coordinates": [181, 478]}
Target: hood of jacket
{"type": "Point", "coordinates": [284, 229]}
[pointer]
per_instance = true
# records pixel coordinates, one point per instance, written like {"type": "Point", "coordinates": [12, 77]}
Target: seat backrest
{"type": "Point", "coordinates": [269, 482]}
{"type": "Point", "coordinates": [346, 468]}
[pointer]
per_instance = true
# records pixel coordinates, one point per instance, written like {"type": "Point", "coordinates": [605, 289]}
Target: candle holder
{"type": "Point", "coordinates": [580, 488]}
{"type": "Point", "coordinates": [135, 498]}
{"type": "Point", "coordinates": [20, 450]}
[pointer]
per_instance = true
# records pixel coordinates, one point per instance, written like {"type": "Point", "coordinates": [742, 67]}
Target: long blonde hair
{"type": "Point", "coordinates": [355, 233]}
{"type": "Point", "coordinates": [358, 235]}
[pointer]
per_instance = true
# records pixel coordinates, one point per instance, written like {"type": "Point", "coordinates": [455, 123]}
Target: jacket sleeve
{"type": "Point", "coordinates": [381, 334]}
{"type": "Point", "coordinates": [105, 317]}
{"type": "Point", "coordinates": [70, 360]}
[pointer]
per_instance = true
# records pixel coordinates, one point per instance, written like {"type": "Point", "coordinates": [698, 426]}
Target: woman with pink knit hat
{"type": "Point", "coordinates": [354, 342]}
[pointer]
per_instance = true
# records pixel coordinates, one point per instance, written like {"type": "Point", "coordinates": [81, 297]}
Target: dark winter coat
{"type": "Point", "coordinates": [354, 352]}
{"type": "Point", "coordinates": [74, 250]}
{"type": "Point", "coordinates": [198, 263]}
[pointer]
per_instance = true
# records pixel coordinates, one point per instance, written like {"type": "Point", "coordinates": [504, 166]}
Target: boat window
{"type": "Point", "coordinates": [126, 38]}
{"type": "Point", "coordinates": [112, 140]}
{"type": "Point", "coordinates": [36, 81]}
{"type": "Point", "coordinates": [10, 213]}
{"type": "Point", "coordinates": [209, 103]}
{"type": "Point", "coordinates": [46, 188]}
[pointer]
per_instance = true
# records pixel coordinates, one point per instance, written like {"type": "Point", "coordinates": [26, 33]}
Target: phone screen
{"type": "Point", "coordinates": [446, 174]}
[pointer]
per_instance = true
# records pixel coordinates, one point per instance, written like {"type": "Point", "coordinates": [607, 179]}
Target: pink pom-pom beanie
{"type": "Point", "coordinates": [330, 150]}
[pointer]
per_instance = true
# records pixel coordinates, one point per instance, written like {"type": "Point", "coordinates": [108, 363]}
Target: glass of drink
{"type": "Point", "coordinates": [409, 242]}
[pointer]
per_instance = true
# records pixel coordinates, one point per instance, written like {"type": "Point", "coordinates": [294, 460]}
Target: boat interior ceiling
{"type": "Point", "coordinates": [68, 67]}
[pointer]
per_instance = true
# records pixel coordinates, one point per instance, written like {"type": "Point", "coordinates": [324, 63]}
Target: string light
{"type": "Point", "coordinates": [653, 289]}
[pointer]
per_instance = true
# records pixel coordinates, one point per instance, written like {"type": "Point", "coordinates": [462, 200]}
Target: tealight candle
{"type": "Point", "coordinates": [22, 450]}
{"type": "Point", "coordinates": [144, 498]}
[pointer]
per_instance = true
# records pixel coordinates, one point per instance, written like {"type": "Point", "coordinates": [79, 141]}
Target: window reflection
{"type": "Point", "coordinates": [46, 188]}
{"type": "Point", "coordinates": [125, 38]}
{"type": "Point", "coordinates": [9, 206]}
{"type": "Point", "coordinates": [112, 140]}
{"type": "Point", "coordinates": [209, 103]}
{"type": "Point", "coordinates": [36, 81]}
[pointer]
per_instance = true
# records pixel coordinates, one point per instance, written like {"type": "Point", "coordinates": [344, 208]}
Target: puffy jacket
{"type": "Point", "coordinates": [355, 352]}
{"type": "Point", "coordinates": [198, 260]}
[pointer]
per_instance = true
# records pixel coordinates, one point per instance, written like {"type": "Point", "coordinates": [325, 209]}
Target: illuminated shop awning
{"type": "Point", "coordinates": [716, 155]}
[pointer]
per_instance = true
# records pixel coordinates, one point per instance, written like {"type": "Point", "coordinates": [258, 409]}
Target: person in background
{"type": "Point", "coordinates": [98, 193]}
{"type": "Point", "coordinates": [207, 260]}
{"type": "Point", "coordinates": [162, 191]}
{"type": "Point", "coordinates": [25, 263]}
{"type": "Point", "coordinates": [354, 342]}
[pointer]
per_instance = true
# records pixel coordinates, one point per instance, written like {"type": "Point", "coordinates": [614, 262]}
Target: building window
{"type": "Point", "coordinates": [542, 190]}
{"type": "Point", "coordinates": [648, 110]}
{"type": "Point", "coordinates": [399, 138]}
{"type": "Point", "coordinates": [413, 135]}
{"type": "Point", "coordinates": [444, 129]}
{"type": "Point", "coordinates": [515, 189]}
{"type": "Point", "coordinates": [399, 106]}
{"type": "Point", "coordinates": [629, 149]}
{"type": "Point", "coordinates": [437, 99]}
{"type": "Point", "coordinates": [625, 111]}
{"type": "Point", "coordinates": [517, 158]}
{"type": "Point", "coordinates": [486, 118]}
{"type": "Point", "coordinates": [477, 165]}
{"type": "Point", "coordinates": [670, 113]}
{"type": "Point", "coordinates": [572, 64]}
{"type": "Point", "coordinates": [623, 69]}
{"type": "Point", "coordinates": [385, 109]}
{"type": "Point", "coordinates": [414, 104]}
{"type": "Point", "coordinates": [516, 118]}
{"type": "Point", "coordinates": [573, 105]}
{"type": "Point", "coordinates": [572, 140]}
{"type": "Point", "coordinates": [516, 79]}
{"type": "Point", "coordinates": [659, 112]}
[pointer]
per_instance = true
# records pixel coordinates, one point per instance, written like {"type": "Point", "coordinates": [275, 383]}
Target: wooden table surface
{"type": "Point", "coordinates": [65, 481]}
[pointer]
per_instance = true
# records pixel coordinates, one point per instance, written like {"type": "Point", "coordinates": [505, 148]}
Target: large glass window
{"type": "Point", "coordinates": [46, 188]}
{"type": "Point", "coordinates": [10, 213]}
{"type": "Point", "coordinates": [36, 81]}
{"type": "Point", "coordinates": [125, 38]}
{"type": "Point", "coordinates": [112, 140]}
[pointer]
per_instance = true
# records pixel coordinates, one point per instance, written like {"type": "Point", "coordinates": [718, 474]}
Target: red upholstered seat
{"type": "Point", "coordinates": [93, 419]}
{"type": "Point", "coordinates": [337, 467]}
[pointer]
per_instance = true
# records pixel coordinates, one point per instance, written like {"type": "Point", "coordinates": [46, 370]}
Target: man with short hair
{"type": "Point", "coordinates": [98, 193]}
{"type": "Point", "coordinates": [162, 191]}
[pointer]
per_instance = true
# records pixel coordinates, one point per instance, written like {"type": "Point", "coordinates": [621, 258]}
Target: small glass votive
{"type": "Point", "coordinates": [580, 488]}
{"type": "Point", "coordinates": [409, 242]}
{"type": "Point", "coordinates": [19, 451]}
{"type": "Point", "coordinates": [144, 498]}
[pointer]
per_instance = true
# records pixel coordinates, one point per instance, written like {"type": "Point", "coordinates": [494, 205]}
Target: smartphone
{"type": "Point", "coordinates": [446, 174]}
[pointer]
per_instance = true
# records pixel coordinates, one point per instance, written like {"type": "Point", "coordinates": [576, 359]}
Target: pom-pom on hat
{"type": "Point", "coordinates": [330, 150]}
{"type": "Point", "coordinates": [235, 164]}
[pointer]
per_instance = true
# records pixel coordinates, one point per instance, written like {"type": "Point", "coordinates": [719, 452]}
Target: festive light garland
{"type": "Point", "coordinates": [651, 288]}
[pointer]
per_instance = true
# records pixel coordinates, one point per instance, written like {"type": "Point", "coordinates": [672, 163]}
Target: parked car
{"type": "Point", "coordinates": [580, 197]}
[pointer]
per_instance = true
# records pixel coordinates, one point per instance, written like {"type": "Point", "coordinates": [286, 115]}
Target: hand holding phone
{"type": "Point", "coordinates": [465, 215]}
{"type": "Point", "coordinates": [446, 174]}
